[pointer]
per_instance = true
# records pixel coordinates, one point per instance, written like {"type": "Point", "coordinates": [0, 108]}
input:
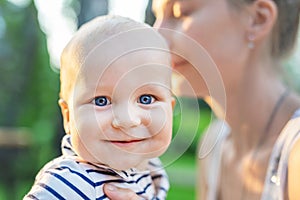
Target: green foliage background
{"type": "Point", "coordinates": [28, 98]}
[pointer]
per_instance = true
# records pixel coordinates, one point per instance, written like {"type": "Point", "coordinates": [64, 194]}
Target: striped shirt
{"type": "Point", "coordinates": [68, 177]}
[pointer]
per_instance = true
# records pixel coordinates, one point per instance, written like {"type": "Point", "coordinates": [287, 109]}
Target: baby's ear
{"type": "Point", "coordinates": [65, 113]}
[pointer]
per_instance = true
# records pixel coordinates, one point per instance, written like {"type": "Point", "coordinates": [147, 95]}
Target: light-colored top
{"type": "Point", "coordinates": [276, 178]}
{"type": "Point", "coordinates": [275, 181]}
{"type": "Point", "coordinates": [68, 177]}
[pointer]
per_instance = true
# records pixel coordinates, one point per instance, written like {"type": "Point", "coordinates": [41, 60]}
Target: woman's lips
{"type": "Point", "coordinates": [179, 63]}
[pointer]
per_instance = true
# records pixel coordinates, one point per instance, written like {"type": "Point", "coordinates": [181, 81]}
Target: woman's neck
{"type": "Point", "coordinates": [249, 108]}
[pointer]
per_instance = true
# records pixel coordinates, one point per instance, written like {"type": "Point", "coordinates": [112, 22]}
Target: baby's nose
{"type": "Point", "coordinates": [125, 117]}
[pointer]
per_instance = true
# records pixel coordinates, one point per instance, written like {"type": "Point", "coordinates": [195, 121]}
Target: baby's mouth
{"type": "Point", "coordinates": [126, 143]}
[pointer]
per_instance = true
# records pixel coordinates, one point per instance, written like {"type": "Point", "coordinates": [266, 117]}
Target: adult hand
{"type": "Point", "coordinates": [115, 193]}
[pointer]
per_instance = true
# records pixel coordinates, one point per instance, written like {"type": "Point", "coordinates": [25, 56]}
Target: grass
{"type": "Point", "coordinates": [180, 158]}
{"type": "Point", "coordinates": [178, 192]}
{"type": "Point", "coordinates": [182, 177]}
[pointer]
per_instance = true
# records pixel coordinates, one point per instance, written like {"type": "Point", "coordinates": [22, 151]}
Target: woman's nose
{"type": "Point", "coordinates": [165, 30]}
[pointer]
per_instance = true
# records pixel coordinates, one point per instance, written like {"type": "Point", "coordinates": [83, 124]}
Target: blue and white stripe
{"type": "Point", "coordinates": [67, 177]}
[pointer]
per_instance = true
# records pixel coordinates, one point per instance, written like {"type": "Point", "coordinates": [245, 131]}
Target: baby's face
{"type": "Point", "coordinates": [121, 107]}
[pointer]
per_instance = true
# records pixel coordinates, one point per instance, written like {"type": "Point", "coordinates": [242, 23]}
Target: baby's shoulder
{"type": "Point", "coordinates": [62, 166]}
{"type": "Point", "coordinates": [63, 177]}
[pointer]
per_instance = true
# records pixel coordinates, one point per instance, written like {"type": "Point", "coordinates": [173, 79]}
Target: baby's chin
{"type": "Point", "coordinates": [138, 162]}
{"type": "Point", "coordinates": [123, 161]}
{"type": "Point", "coordinates": [140, 166]}
{"type": "Point", "coordinates": [117, 163]}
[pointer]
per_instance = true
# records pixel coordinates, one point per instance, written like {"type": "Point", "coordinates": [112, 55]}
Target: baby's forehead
{"type": "Point", "coordinates": [115, 29]}
{"type": "Point", "coordinates": [125, 62]}
{"type": "Point", "coordinates": [105, 49]}
{"type": "Point", "coordinates": [123, 42]}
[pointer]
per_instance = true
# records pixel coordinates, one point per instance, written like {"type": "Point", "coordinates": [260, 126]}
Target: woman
{"type": "Point", "coordinates": [247, 39]}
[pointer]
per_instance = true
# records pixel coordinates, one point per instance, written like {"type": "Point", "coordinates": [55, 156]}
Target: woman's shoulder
{"type": "Point", "coordinates": [213, 137]}
{"type": "Point", "coordinates": [209, 157]}
{"type": "Point", "coordinates": [294, 163]}
{"type": "Point", "coordinates": [210, 145]}
{"type": "Point", "coordinates": [284, 162]}
{"type": "Point", "coordinates": [288, 142]}
{"type": "Point", "coordinates": [295, 154]}
{"type": "Point", "coordinates": [293, 171]}
{"type": "Point", "coordinates": [218, 126]}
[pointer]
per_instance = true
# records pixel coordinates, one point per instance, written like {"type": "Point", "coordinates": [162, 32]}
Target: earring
{"type": "Point", "coordinates": [251, 41]}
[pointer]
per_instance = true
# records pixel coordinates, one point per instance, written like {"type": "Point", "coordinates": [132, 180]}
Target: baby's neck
{"type": "Point", "coordinates": [142, 166]}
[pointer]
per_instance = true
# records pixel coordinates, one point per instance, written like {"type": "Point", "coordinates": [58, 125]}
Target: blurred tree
{"type": "Point", "coordinates": [149, 16]}
{"type": "Point", "coordinates": [90, 9]}
{"type": "Point", "coordinates": [28, 95]}
{"type": "Point", "coordinates": [28, 83]}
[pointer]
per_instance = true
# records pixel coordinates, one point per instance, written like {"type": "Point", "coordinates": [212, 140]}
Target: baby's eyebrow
{"type": "Point", "coordinates": [155, 85]}
{"type": "Point", "coordinates": [157, 88]}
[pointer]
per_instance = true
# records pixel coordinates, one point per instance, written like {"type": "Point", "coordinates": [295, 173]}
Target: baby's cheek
{"type": "Point", "coordinates": [89, 120]}
{"type": "Point", "coordinates": [86, 123]}
{"type": "Point", "coordinates": [159, 120]}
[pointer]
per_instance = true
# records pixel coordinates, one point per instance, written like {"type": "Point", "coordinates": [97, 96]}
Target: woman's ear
{"type": "Point", "coordinates": [263, 16]}
{"type": "Point", "coordinates": [65, 113]}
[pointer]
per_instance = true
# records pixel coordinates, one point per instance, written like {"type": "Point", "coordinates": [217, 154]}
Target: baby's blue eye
{"type": "Point", "coordinates": [102, 101]}
{"type": "Point", "coordinates": [146, 99]}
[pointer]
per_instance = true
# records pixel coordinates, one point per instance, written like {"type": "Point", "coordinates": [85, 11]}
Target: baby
{"type": "Point", "coordinates": [117, 107]}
